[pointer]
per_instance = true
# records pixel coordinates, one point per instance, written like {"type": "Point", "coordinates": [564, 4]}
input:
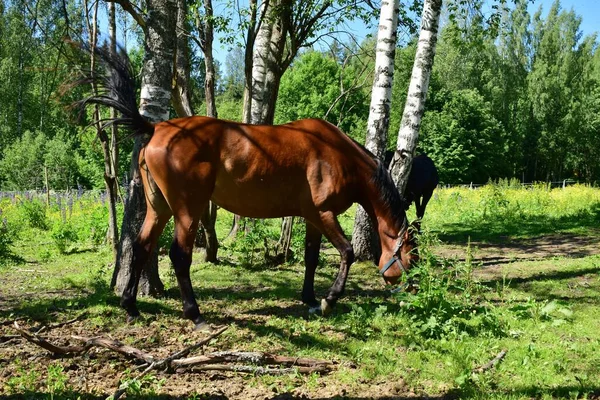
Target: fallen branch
{"type": "Point", "coordinates": [34, 338]}
{"type": "Point", "coordinates": [115, 345]}
{"type": "Point", "coordinates": [254, 357]}
{"type": "Point", "coordinates": [167, 361]}
{"type": "Point", "coordinates": [254, 369]}
{"type": "Point", "coordinates": [491, 364]}
{"type": "Point", "coordinates": [187, 350]}
{"type": "Point", "coordinates": [110, 344]}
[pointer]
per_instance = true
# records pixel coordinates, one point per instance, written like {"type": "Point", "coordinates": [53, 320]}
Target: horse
{"type": "Point", "coordinates": [422, 181]}
{"type": "Point", "coordinates": [308, 168]}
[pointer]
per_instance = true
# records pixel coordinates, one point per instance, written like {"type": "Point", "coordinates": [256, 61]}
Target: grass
{"type": "Point", "coordinates": [543, 310]}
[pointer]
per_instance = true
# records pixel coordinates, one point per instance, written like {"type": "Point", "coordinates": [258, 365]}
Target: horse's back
{"type": "Point", "coordinates": [423, 176]}
{"type": "Point", "coordinates": [259, 170]}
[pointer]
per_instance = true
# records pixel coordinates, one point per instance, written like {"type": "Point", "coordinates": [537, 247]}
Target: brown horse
{"type": "Point", "coordinates": [307, 168]}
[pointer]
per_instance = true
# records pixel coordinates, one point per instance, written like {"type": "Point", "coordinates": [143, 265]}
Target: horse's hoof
{"type": "Point", "coordinates": [326, 309]}
{"type": "Point", "coordinates": [131, 319]}
{"type": "Point", "coordinates": [204, 327]}
{"type": "Point", "coordinates": [316, 310]}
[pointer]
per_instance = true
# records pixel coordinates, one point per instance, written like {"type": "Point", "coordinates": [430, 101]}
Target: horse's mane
{"type": "Point", "coordinates": [388, 191]}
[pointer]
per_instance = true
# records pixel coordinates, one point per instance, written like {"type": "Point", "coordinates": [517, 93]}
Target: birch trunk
{"type": "Point", "coordinates": [154, 105]}
{"type": "Point", "coordinates": [417, 93]}
{"type": "Point", "coordinates": [259, 63]}
{"type": "Point", "coordinates": [364, 238]}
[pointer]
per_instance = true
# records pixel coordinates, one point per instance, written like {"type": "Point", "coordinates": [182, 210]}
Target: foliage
{"type": "Point", "coordinates": [448, 300]}
{"type": "Point", "coordinates": [34, 213]}
{"type": "Point", "coordinates": [464, 139]}
{"type": "Point", "coordinates": [7, 238]}
{"type": "Point", "coordinates": [63, 234]}
{"type": "Point", "coordinates": [311, 89]}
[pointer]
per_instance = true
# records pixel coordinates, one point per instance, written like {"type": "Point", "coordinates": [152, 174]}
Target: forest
{"type": "Point", "coordinates": [517, 96]}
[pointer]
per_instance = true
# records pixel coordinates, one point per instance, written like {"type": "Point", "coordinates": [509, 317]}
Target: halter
{"type": "Point", "coordinates": [395, 258]}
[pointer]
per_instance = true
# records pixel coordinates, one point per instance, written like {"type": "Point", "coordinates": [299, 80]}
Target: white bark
{"type": "Point", "coordinates": [160, 44]}
{"type": "Point", "coordinates": [417, 93]}
{"type": "Point", "coordinates": [364, 237]}
{"type": "Point", "coordinates": [259, 65]}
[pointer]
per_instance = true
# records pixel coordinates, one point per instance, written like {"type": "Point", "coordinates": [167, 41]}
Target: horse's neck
{"type": "Point", "coordinates": [381, 215]}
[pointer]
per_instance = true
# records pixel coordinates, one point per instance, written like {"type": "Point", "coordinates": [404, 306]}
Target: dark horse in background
{"type": "Point", "coordinates": [422, 181]}
{"type": "Point", "coordinates": [306, 168]}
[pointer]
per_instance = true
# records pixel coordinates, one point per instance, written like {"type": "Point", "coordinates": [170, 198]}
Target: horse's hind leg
{"type": "Point", "coordinates": [421, 208]}
{"type": "Point", "coordinates": [208, 222]}
{"type": "Point", "coordinates": [312, 247]}
{"type": "Point", "coordinates": [143, 246]}
{"type": "Point", "coordinates": [186, 226]}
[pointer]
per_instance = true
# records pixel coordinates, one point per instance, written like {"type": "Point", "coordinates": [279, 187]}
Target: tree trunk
{"type": "Point", "coordinates": [364, 238]}
{"type": "Point", "coordinates": [259, 63]}
{"type": "Point", "coordinates": [206, 236]}
{"type": "Point", "coordinates": [209, 83]}
{"type": "Point", "coordinates": [274, 68]}
{"type": "Point", "coordinates": [417, 93]}
{"type": "Point", "coordinates": [247, 102]}
{"type": "Point", "coordinates": [182, 102]}
{"type": "Point", "coordinates": [154, 105]}
{"type": "Point", "coordinates": [111, 167]}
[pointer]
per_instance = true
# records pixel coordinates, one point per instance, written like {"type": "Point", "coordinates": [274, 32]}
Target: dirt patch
{"type": "Point", "coordinates": [536, 249]}
{"type": "Point", "coordinates": [97, 373]}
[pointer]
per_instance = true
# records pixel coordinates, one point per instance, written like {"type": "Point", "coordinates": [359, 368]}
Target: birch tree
{"type": "Point", "coordinates": [205, 28]}
{"type": "Point", "coordinates": [364, 237]}
{"type": "Point", "coordinates": [417, 93]}
{"type": "Point", "coordinates": [159, 44]}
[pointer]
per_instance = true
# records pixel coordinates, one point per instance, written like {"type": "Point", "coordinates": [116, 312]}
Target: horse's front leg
{"type": "Point", "coordinates": [312, 247]}
{"type": "Point", "coordinates": [333, 231]}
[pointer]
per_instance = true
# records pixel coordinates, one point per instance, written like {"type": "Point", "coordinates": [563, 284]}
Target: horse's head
{"type": "Point", "coordinates": [394, 264]}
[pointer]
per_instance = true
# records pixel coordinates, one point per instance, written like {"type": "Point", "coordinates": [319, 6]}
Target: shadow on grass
{"type": "Point", "coordinates": [500, 229]}
{"type": "Point", "coordinates": [79, 298]}
{"type": "Point", "coordinates": [544, 276]}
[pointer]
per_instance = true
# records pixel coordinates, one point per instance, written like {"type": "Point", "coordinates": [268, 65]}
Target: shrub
{"type": "Point", "coordinates": [34, 213]}
{"type": "Point", "coordinates": [445, 304]}
{"type": "Point", "coordinates": [63, 234]}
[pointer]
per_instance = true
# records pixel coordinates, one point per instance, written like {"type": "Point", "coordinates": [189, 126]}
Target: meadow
{"type": "Point", "coordinates": [505, 271]}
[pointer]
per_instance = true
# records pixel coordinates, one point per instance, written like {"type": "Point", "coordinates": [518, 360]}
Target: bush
{"type": "Point", "coordinates": [7, 237]}
{"type": "Point", "coordinates": [445, 303]}
{"type": "Point", "coordinates": [34, 213]}
{"type": "Point", "coordinates": [63, 234]}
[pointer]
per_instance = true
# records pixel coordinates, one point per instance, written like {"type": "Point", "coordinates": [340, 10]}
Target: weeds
{"type": "Point", "coordinates": [449, 301]}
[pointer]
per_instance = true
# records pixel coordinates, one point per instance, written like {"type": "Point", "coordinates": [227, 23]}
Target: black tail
{"type": "Point", "coordinates": [116, 83]}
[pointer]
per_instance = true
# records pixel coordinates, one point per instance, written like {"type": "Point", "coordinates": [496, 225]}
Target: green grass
{"type": "Point", "coordinates": [543, 310]}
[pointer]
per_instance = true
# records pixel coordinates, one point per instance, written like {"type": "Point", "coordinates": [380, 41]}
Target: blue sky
{"type": "Point", "coordinates": [588, 10]}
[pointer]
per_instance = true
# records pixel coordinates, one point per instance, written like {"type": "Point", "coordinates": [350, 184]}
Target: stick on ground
{"type": "Point", "coordinates": [491, 364]}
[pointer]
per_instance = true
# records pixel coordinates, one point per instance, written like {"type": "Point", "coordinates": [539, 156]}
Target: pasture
{"type": "Point", "coordinates": [502, 268]}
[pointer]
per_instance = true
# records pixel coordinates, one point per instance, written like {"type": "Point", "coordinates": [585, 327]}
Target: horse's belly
{"type": "Point", "coordinates": [258, 198]}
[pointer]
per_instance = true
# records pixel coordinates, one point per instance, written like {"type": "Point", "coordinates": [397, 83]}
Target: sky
{"type": "Point", "coordinates": [589, 10]}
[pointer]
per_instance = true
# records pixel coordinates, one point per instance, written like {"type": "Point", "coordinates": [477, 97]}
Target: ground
{"type": "Point", "coordinates": [97, 373]}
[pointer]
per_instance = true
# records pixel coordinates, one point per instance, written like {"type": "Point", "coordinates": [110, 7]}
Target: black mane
{"type": "Point", "coordinates": [388, 192]}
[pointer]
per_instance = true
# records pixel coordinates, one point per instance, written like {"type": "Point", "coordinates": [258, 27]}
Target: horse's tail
{"type": "Point", "coordinates": [116, 84]}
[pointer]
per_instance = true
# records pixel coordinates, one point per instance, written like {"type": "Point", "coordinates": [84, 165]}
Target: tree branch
{"type": "Point", "coordinates": [131, 10]}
